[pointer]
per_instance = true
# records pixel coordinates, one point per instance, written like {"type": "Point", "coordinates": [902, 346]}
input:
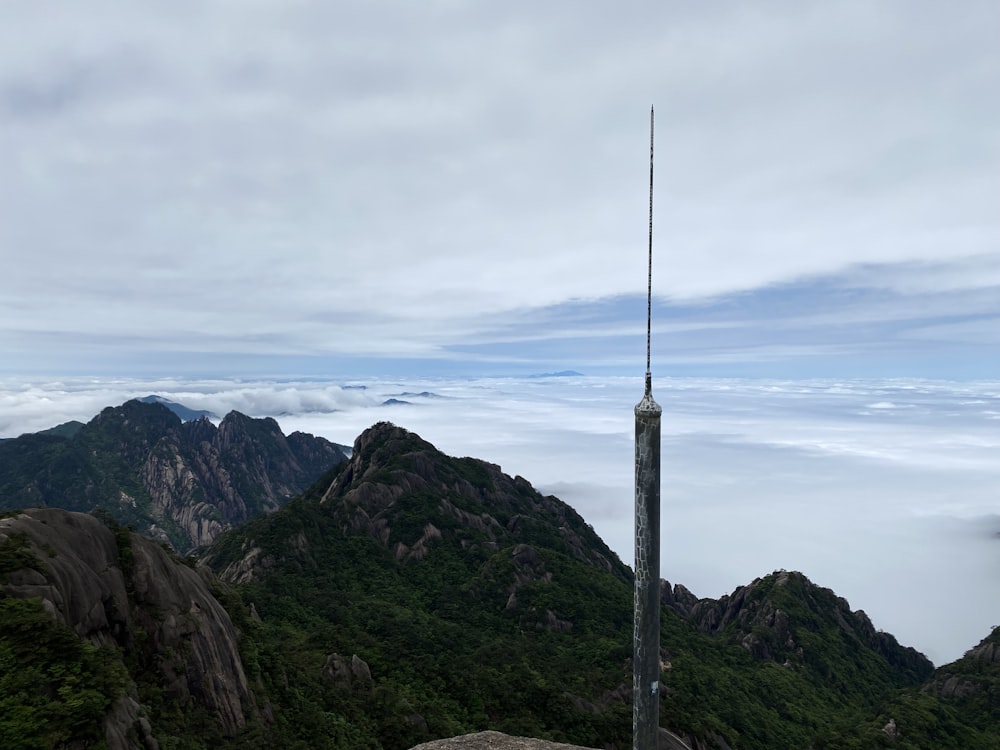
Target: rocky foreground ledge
{"type": "Point", "coordinates": [499, 741]}
{"type": "Point", "coordinates": [494, 741]}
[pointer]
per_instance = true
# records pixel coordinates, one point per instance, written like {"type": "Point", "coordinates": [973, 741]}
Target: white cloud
{"type": "Point", "coordinates": [409, 171]}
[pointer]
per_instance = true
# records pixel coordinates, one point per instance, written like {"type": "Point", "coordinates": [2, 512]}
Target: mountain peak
{"type": "Point", "coordinates": [386, 439]}
{"type": "Point", "coordinates": [185, 413]}
{"type": "Point", "coordinates": [776, 617]}
{"type": "Point", "coordinates": [411, 498]}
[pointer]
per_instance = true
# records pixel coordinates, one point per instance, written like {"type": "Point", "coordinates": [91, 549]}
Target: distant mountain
{"type": "Point", "coordinates": [408, 596]}
{"type": "Point", "coordinates": [560, 374]}
{"type": "Point", "coordinates": [180, 410]}
{"type": "Point", "coordinates": [66, 429]}
{"type": "Point", "coordinates": [182, 482]}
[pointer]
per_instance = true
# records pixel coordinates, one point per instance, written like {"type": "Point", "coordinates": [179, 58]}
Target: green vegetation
{"type": "Point", "coordinates": [128, 454]}
{"type": "Point", "coordinates": [15, 554]}
{"type": "Point", "coordinates": [451, 651]}
{"type": "Point", "coordinates": [87, 468]}
{"type": "Point", "coordinates": [54, 687]}
{"type": "Point", "coordinates": [514, 616]}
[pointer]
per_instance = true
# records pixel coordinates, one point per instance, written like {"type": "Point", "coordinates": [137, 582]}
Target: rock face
{"type": "Point", "coordinates": [972, 677]}
{"type": "Point", "coordinates": [494, 741]}
{"type": "Point", "coordinates": [180, 482]}
{"type": "Point", "coordinates": [388, 462]}
{"type": "Point", "coordinates": [988, 650]}
{"type": "Point", "coordinates": [499, 741]}
{"type": "Point", "coordinates": [350, 673]}
{"type": "Point", "coordinates": [766, 617]}
{"type": "Point", "coordinates": [401, 491]}
{"type": "Point", "coordinates": [110, 587]}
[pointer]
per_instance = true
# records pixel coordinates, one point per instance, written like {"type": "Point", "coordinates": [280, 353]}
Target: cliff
{"type": "Point", "coordinates": [778, 617]}
{"type": "Point", "coordinates": [400, 491]}
{"type": "Point", "coordinates": [144, 609]}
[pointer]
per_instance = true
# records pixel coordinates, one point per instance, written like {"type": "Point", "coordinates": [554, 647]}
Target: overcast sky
{"type": "Point", "coordinates": [271, 186]}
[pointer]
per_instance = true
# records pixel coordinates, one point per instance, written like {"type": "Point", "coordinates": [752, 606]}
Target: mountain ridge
{"type": "Point", "coordinates": [803, 642]}
{"type": "Point", "coordinates": [407, 595]}
{"type": "Point", "coordinates": [180, 482]}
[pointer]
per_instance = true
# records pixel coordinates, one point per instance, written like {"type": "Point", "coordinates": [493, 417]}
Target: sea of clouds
{"type": "Point", "coordinates": [888, 492]}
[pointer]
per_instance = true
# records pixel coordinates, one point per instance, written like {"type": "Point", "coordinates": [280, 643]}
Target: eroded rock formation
{"type": "Point", "coordinates": [123, 591]}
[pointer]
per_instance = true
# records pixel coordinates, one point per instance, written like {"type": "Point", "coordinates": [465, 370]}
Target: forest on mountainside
{"type": "Point", "coordinates": [408, 595]}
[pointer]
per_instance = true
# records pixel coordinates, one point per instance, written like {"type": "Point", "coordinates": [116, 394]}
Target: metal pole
{"type": "Point", "coordinates": [646, 633]}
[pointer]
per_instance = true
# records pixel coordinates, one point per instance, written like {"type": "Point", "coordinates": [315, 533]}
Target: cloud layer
{"type": "Point", "coordinates": [884, 491]}
{"type": "Point", "coordinates": [212, 184]}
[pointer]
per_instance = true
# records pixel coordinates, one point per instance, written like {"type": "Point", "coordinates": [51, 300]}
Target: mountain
{"type": "Point", "coordinates": [780, 617]}
{"type": "Point", "coordinates": [66, 429]}
{"type": "Point", "coordinates": [186, 414]}
{"type": "Point", "coordinates": [957, 707]}
{"type": "Point", "coordinates": [408, 596]}
{"type": "Point", "coordinates": [180, 482]}
{"type": "Point", "coordinates": [476, 602]}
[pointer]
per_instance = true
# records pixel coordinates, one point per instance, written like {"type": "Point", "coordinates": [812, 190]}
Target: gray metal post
{"type": "Point", "coordinates": [646, 632]}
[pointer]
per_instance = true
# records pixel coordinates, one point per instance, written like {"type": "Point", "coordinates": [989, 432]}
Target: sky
{"type": "Point", "coordinates": [251, 204]}
{"type": "Point", "coordinates": [283, 187]}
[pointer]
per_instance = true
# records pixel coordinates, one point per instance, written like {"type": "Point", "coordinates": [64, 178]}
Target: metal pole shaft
{"type": "Point", "coordinates": [646, 635]}
{"type": "Point", "coordinates": [646, 632]}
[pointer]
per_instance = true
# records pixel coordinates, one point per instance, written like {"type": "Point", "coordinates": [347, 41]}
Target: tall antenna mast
{"type": "Point", "coordinates": [646, 632]}
{"type": "Point", "coordinates": [649, 275]}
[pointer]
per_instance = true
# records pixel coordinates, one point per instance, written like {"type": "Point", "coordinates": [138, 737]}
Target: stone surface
{"type": "Point", "coordinates": [348, 673]}
{"type": "Point", "coordinates": [498, 741]}
{"type": "Point", "coordinates": [184, 483]}
{"type": "Point", "coordinates": [494, 741]}
{"type": "Point", "coordinates": [189, 637]}
{"type": "Point", "coordinates": [390, 465]}
{"type": "Point", "coordinates": [766, 631]}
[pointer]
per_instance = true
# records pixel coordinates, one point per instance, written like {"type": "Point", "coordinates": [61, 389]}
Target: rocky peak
{"type": "Point", "coordinates": [974, 676]}
{"type": "Point", "coordinates": [773, 617]}
{"type": "Point", "coordinates": [677, 598]}
{"type": "Point", "coordinates": [183, 483]}
{"type": "Point", "coordinates": [988, 650]}
{"type": "Point", "coordinates": [137, 417]}
{"type": "Point", "coordinates": [381, 447]}
{"type": "Point", "coordinates": [401, 490]}
{"type": "Point", "coordinates": [237, 427]}
{"type": "Point", "coordinates": [133, 428]}
{"type": "Point", "coordinates": [199, 430]}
